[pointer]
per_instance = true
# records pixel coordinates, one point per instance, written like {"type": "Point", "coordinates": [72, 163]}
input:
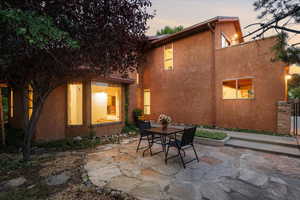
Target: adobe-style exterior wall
{"type": "Point", "coordinates": [244, 60]}
{"type": "Point", "coordinates": [52, 124]}
{"type": "Point", "coordinates": [184, 93]}
{"type": "Point", "coordinates": [229, 29]}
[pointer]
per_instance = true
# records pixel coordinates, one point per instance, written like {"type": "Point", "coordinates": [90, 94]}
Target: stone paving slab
{"type": "Point", "coordinates": [223, 173]}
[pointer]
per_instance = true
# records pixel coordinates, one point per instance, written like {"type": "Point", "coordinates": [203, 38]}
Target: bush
{"type": "Point", "coordinates": [12, 163]}
{"type": "Point", "coordinates": [70, 143]}
{"type": "Point", "coordinates": [211, 135]}
{"type": "Point", "coordinates": [129, 128]}
{"type": "Point", "coordinates": [14, 137]}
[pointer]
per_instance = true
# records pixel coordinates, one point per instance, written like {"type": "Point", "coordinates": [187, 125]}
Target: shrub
{"type": "Point", "coordinates": [211, 135]}
{"type": "Point", "coordinates": [129, 128]}
{"type": "Point", "coordinates": [70, 143]}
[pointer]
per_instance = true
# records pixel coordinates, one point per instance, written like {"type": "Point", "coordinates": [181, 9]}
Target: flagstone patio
{"type": "Point", "coordinates": [223, 173]}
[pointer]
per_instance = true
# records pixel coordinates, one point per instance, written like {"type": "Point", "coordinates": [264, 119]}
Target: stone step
{"type": "Point", "coordinates": [277, 140]}
{"type": "Point", "coordinates": [267, 147]}
{"type": "Point", "coordinates": [255, 137]}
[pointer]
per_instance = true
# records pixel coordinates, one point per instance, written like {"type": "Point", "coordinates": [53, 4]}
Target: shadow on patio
{"type": "Point", "coordinates": [222, 173]}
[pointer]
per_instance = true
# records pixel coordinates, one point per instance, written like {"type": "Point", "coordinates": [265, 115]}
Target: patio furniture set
{"type": "Point", "coordinates": [180, 139]}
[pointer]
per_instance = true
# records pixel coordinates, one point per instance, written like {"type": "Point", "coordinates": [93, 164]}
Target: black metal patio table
{"type": "Point", "coordinates": [163, 133]}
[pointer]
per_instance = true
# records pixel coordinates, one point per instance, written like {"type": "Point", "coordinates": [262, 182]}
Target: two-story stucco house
{"type": "Point", "coordinates": [206, 74]}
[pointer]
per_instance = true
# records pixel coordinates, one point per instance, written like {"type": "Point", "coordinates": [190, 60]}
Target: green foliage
{"type": "Point", "coordinates": [211, 135]}
{"type": "Point", "coordinates": [14, 137]}
{"type": "Point", "coordinates": [37, 30]}
{"type": "Point", "coordinates": [13, 164]}
{"type": "Point", "coordinates": [169, 30]}
{"type": "Point", "coordinates": [129, 128]}
{"type": "Point", "coordinates": [71, 144]}
{"type": "Point", "coordinates": [284, 52]}
{"type": "Point", "coordinates": [40, 191]}
{"type": "Point", "coordinates": [294, 93]}
{"type": "Point", "coordinates": [137, 112]}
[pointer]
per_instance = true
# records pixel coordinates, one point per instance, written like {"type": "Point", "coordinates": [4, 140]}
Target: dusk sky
{"type": "Point", "coordinates": [189, 12]}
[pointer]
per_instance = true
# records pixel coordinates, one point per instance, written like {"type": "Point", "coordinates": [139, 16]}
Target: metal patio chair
{"type": "Point", "coordinates": [185, 142]}
{"type": "Point", "coordinates": [145, 135]}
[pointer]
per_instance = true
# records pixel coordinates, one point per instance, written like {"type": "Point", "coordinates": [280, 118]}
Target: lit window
{"type": "Point", "coordinates": [229, 89]}
{"type": "Point", "coordinates": [238, 89]}
{"type": "Point", "coordinates": [245, 89]}
{"type": "Point", "coordinates": [106, 103]}
{"type": "Point", "coordinates": [137, 78]}
{"type": "Point", "coordinates": [75, 104]}
{"type": "Point", "coordinates": [225, 41]}
{"type": "Point", "coordinates": [168, 57]}
{"type": "Point", "coordinates": [30, 101]}
{"type": "Point", "coordinates": [147, 97]}
{"type": "Point", "coordinates": [11, 103]}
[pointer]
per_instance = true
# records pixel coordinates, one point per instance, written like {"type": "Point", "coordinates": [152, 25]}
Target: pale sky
{"type": "Point", "coordinates": [190, 12]}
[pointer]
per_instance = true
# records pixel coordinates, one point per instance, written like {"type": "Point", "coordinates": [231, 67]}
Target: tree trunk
{"type": "Point", "coordinates": [30, 124]}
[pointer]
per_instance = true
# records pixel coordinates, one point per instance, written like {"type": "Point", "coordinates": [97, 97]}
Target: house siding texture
{"type": "Point", "coordinates": [250, 59]}
{"type": "Point", "coordinates": [52, 124]}
{"type": "Point", "coordinates": [191, 93]}
{"type": "Point", "coordinates": [185, 93]}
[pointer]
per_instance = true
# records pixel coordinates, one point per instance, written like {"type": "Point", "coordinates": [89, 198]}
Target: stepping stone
{"type": "Point", "coordinates": [58, 179]}
{"type": "Point", "coordinates": [253, 177]}
{"type": "Point", "coordinates": [16, 182]}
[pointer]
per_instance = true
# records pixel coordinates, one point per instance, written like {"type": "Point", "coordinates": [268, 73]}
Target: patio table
{"type": "Point", "coordinates": [163, 133]}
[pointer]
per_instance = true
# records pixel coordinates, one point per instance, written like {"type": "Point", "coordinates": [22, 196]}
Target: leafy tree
{"type": "Point", "coordinates": [279, 15]}
{"type": "Point", "coordinates": [47, 43]}
{"type": "Point", "coordinates": [294, 86]}
{"type": "Point", "coordinates": [169, 30]}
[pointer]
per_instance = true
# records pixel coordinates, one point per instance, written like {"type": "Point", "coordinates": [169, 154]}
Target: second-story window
{"type": "Point", "coordinates": [224, 41]}
{"type": "Point", "coordinates": [168, 57]}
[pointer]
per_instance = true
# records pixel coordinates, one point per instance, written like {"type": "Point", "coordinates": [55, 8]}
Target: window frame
{"type": "Point", "coordinates": [82, 105]}
{"type": "Point", "coordinates": [144, 105]}
{"type": "Point", "coordinates": [236, 88]}
{"type": "Point", "coordinates": [164, 58]}
{"type": "Point", "coordinates": [107, 84]}
{"type": "Point", "coordinates": [11, 103]}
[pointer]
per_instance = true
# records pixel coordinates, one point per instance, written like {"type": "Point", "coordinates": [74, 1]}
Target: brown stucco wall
{"type": "Point", "coordinates": [229, 29]}
{"type": "Point", "coordinates": [51, 125]}
{"type": "Point", "coordinates": [250, 59]}
{"type": "Point", "coordinates": [184, 93]}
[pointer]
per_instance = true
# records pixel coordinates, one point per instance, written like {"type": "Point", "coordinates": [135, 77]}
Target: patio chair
{"type": "Point", "coordinates": [145, 135]}
{"type": "Point", "coordinates": [185, 142]}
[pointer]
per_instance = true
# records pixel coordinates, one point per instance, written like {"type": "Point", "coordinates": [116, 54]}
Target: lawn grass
{"type": "Point", "coordinates": [211, 135]}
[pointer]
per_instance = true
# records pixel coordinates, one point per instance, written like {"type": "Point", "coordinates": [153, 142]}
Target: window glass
{"type": "Point", "coordinates": [168, 57]}
{"type": "Point", "coordinates": [75, 96]}
{"type": "Point", "coordinates": [245, 89]}
{"type": "Point", "coordinates": [106, 103]}
{"type": "Point", "coordinates": [137, 78]}
{"type": "Point", "coordinates": [238, 89]}
{"type": "Point", "coordinates": [225, 41]}
{"type": "Point", "coordinates": [30, 101]}
{"type": "Point", "coordinates": [229, 89]}
{"type": "Point", "coordinates": [147, 104]}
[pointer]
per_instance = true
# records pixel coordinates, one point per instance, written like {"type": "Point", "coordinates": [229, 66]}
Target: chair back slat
{"type": "Point", "coordinates": [143, 125]}
{"type": "Point", "coordinates": [188, 136]}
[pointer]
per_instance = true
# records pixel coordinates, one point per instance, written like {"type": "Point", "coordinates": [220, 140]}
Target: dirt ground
{"type": "Point", "coordinates": [38, 171]}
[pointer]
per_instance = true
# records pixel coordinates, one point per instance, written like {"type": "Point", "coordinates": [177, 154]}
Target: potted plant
{"type": "Point", "coordinates": [137, 113]}
{"type": "Point", "coordinates": [164, 120]}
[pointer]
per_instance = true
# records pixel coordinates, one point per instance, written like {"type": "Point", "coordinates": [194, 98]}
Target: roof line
{"type": "Point", "coordinates": [192, 29]}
